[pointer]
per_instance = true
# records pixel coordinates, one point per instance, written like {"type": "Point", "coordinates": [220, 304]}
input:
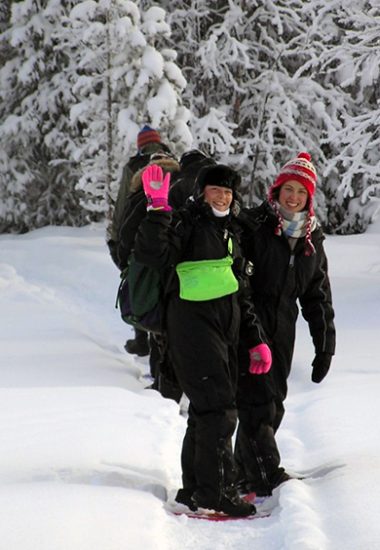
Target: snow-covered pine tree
{"type": "Point", "coordinates": [300, 106]}
{"type": "Point", "coordinates": [266, 79]}
{"type": "Point", "coordinates": [5, 14]}
{"type": "Point", "coordinates": [350, 62]}
{"type": "Point", "coordinates": [281, 93]}
{"type": "Point", "coordinates": [37, 177]}
{"type": "Point", "coordinates": [254, 80]}
{"type": "Point", "coordinates": [125, 78]}
{"type": "Point", "coordinates": [204, 52]}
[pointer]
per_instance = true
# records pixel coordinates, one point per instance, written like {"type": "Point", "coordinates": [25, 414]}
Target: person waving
{"type": "Point", "coordinates": [197, 250]}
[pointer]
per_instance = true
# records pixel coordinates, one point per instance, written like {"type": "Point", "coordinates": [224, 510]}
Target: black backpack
{"type": "Point", "coordinates": [140, 295]}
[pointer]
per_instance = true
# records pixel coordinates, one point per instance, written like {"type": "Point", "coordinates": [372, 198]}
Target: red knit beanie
{"type": "Point", "coordinates": [147, 135]}
{"type": "Point", "coordinates": [300, 169]}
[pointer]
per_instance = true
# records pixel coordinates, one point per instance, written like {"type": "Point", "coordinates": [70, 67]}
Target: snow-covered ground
{"type": "Point", "coordinates": [88, 454]}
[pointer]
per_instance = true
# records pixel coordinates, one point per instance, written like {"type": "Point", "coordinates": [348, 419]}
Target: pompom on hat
{"type": "Point", "coordinates": [147, 135]}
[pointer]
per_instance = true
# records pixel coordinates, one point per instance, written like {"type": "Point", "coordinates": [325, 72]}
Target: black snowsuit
{"type": "Point", "coordinates": [202, 342]}
{"type": "Point", "coordinates": [281, 277]}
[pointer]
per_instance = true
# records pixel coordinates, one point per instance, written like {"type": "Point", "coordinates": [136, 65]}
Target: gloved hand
{"type": "Point", "coordinates": [261, 359]}
{"type": "Point", "coordinates": [156, 187]}
{"type": "Point", "coordinates": [321, 365]}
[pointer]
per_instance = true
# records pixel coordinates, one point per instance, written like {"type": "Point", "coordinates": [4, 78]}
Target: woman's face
{"type": "Point", "coordinates": [293, 196]}
{"type": "Point", "coordinates": [219, 198]}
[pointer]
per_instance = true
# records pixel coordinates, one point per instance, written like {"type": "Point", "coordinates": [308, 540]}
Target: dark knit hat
{"type": "Point", "coordinates": [219, 175]}
{"type": "Point", "coordinates": [147, 135]}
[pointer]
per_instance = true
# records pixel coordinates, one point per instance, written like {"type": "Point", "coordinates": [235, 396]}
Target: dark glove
{"type": "Point", "coordinates": [321, 365]}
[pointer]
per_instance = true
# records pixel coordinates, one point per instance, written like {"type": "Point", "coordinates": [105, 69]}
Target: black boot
{"type": "Point", "coordinates": [258, 461]}
{"type": "Point", "coordinates": [236, 507]}
{"type": "Point", "coordinates": [231, 504]}
{"type": "Point", "coordinates": [185, 496]}
{"type": "Point", "coordinates": [139, 345]}
{"type": "Point", "coordinates": [216, 485]}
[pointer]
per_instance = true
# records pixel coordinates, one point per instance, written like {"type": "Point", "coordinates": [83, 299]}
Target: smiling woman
{"type": "Point", "coordinates": [205, 308]}
{"type": "Point", "coordinates": [219, 198]}
{"type": "Point", "coordinates": [285, 244]}
{"type": "Point", "coordinates": [293, 196]}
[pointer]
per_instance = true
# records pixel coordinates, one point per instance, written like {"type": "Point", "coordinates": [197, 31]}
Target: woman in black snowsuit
{"type": "Point", "coordinates": [203, 332]}
{"type": "Point", "coordinates": [285, 244]}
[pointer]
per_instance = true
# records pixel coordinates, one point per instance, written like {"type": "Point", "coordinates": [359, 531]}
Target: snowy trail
{"type": "Point", "coordinates": [294, 523]}
{"type": "Point", "coordinates": [89, 456]}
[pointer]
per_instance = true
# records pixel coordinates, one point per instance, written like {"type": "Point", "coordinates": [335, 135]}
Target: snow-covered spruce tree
{"type": "Point", "coordinates": [37, 177]}
{"type": "Point", "coordinates": [275, 92]}
{"type": "Point", "coordinates": [126, 77]}
{"type": "Point", "coordinates": [306, 102]}
{"type": "Point", "coordinates": [350, 62]}
{"type": "Point", "coordinates": [300, 107]}
{"type": "Point", "coordinates": [211, 61]}
{"type": "Point", "coordinates": [254, 79]}
{"type": "Point", "coordinates": [5, 14]}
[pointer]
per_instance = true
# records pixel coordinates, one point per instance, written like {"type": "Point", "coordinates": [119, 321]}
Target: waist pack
{"type": "Point", "coordinates": [139, 297]}
{"type": "Point", "coordinates": [203, 280]}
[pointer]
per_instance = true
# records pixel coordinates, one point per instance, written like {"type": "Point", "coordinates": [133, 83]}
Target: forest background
{"type": "Point", "coordinates": [252, 82]}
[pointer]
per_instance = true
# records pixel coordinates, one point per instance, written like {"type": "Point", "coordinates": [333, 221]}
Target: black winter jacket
{"type": "Point", "coordinates": [126, 190]}
{"type": "Point", "coordinates": [134, 164]}
{"type": "Point", "coordinates": [281, 277]}
{"type": "Point", "coordinates": [193, 233]}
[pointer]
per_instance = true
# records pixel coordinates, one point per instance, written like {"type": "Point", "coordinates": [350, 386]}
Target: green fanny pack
{"type": "Point", "coordinates": [206, 279]}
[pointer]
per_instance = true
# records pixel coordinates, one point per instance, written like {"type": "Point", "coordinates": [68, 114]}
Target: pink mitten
{"type": "Point", "coordinates": [261, 359]}
{"type": "Point", "coordinates": [156, 187]}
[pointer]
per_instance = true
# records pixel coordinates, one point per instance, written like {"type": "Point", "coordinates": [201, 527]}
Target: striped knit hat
{"type": "Point", "coordinates": [147, 135]}
{"type": "Point", "coordinates": [302, 170]}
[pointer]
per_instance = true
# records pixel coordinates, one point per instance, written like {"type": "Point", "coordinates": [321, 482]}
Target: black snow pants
{"type": "Point", "coordinates": [202, 343]}
{"type": "Point", "coordinates": [260, 401]}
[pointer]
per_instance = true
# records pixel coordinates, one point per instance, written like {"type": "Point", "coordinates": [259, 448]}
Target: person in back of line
{"type": "Point", "coordinates": [148, 142]}
{"type": "Point", "coordinates": [181, 188]}
{"type": "Point", "coordinates": [134, 213]}
{"type": "Point", "coordinates": [202, 330]}
{"type": "Point", "coordinates": [285, 243]}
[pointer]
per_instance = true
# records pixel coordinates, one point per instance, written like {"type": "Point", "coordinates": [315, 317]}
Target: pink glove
{"type": "Point", "coordinates": [156, 187]}
{"type": "Point", "coordinates": [261, 359]}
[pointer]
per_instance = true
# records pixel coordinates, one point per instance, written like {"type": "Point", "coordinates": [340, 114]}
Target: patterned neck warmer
{"type": "Point", "coordinates": [295, 225]}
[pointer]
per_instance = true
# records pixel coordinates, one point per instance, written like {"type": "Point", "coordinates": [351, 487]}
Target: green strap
{"type": "Point", "coordinates": [230, 246]}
